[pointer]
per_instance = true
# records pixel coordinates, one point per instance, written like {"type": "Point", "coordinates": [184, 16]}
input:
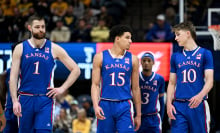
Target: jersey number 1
{"type": "Point", "coordinates": [36, 67]}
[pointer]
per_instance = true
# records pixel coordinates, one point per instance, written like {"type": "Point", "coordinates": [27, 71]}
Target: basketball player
{"type": "Point", "coordinates": [117, 69]}
{"type": "Point", "coordinates": [152, 87]}
{"type": "Point", "coordinates": [11, 119]}
{"type": "Point", "coordinates": [191, 78]}
{"type": "Point", "coordinates": [33, 61]}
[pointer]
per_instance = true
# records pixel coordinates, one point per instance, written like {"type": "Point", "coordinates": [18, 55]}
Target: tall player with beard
{"type": "Point", "coordinates": [33, 62]}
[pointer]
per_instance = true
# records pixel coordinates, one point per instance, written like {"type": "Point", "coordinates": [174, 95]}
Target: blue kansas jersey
{"type": "Point", "coordinates": [151, 87]}
{"type": "Point", "coordinates": [8, 104]}
{"type": "Point", "coordinates": [189, 67]}
{"type": "Point", "coordinates": [37, 68]}
{"type": "Point", "coordinates": [116, 76]}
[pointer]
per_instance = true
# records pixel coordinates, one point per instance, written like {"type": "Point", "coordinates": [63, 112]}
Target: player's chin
{"type": "Point", "coordinates": [128, 48]}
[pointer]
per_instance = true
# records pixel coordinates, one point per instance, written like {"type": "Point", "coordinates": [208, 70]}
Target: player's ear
{"type": "Point", "coordinates": [117, 38]}
{"type": "Point", "coordinates": [29, 27]}
{"type": "Point", "coordinates": [188, 33]}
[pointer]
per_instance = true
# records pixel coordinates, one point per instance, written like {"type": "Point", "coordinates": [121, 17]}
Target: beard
{"type": "Point", "coordinates": [39, 36]}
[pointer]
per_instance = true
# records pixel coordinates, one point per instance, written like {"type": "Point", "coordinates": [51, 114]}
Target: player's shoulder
{"type": "Point", "coordinates": [159, 76]}
{"type": "Point", "coordinates": [205, 50]}
{"type": "Point", "coordinates": [98, 56]}
{"type": "Point", "coordinates": [18, 46]}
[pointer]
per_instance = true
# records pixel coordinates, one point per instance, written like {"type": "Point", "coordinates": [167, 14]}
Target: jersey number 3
{"type": "Point", "coordinates": [36, 67]}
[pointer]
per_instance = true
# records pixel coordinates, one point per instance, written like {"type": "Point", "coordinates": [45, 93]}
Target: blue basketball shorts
{"type": "Point", "coordinates": [37, 113]}
{"type": "Point", "coordinates": [119, 117]}
{"type": "Point", "coordinates": [150, 124]}
{"type": "Point", "coordinates": [194, 120]}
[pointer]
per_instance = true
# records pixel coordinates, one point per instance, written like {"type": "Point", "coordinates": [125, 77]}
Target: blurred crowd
{"type": "Point", "coordinates": [74, 115]}
{"type": "Point", "coordinates": [90, 20]}
{"type": "Point", "coordinates": [67, 20]}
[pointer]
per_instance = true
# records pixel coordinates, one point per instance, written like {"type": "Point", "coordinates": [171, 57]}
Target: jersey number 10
{"type": "Point", "coordinates": [187, 75]}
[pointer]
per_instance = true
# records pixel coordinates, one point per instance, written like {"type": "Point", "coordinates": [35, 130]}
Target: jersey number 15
{"type": "Point", "coordinates": [119, 76]}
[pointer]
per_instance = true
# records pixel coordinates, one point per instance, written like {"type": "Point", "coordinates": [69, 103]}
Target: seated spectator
{"type": "Point", "coordinates": [82, 124]}
{"type": "Point", "coordinates": [62, 123]}
{"type": "Point", "coordinates": [60, 33]}
{"type": "Point", "coordinates": [16, 26]}
{"type": "Point", "coordinates": [81, 33]}
{"type": "Point", "coordinates": [116, 8]}
{"type": "Point", "coordinates": [42, 8]}
{"type": "Point", "coordinates": [86, 3]}
{"type": "Point", "coordinates": [24, 34]}
{"type": "Point", "coordinates": [24, 7]}
{"type": "Point", "coordinates": [100, 33]}
{"type": "Point", "coordinates": [90, 18]}
{"type": "Point", "coordinates": [58, 9]}
{"type": "Point", "coordinates": [67, 96]}
{"type": "Point", "coordinates": [74, 107]}
{"type": "Point", "coordinates": [160, 32]}
{"type": "Point", "coordinates": [8, 8]}
{"type": "Point", "coordinates": [78, 8]}
{"type": "Point", "coordinates": [171, 17]}
{"type": "Point", "coordinates": [69, 18]}
{"type": "Point", "coordinates": [96, 4]}
{"type": "Point", "coordinates": [3, 27]}
{"type": "Point", "coordinates": [104, 15]}
{"type": "Point", "coordinates": [87, 105]}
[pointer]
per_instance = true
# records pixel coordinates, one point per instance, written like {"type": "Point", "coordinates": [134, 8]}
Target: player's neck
{"type": "Point", "coordinates": [37, 42]}
{"type": "Point", "coordinates": [117, 52]}
{"type": "Point", "coordinates": [190, 45]}
{"type": "Point", "coordinates": [147, 73]}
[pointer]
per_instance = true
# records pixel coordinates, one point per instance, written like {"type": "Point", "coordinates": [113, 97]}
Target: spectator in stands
{"type": "Point", "coordinates": [74, 107]}
{"type": "Point", "coordinates": [24, 33]}
{"type": "Point", "coordinates": [116, 8]}
{"type": "Point", "coordinates": [78, 8]}
{"type": "Point", "coordinates": [24, 6]}
{"type": "Point", "coordinates": [8, 7]}
{"type": "Point", "coordinates": [104, 15]}
{"type": "Point", "coordinates": [69, 18]}
{"type": "Point", "coordinates": [160, 32]}
{"type": "Point", "coordinates": [97, 4]}
{"type": "Point", "coordinates": [3, 27]}
{"type": "Point", "coordinates": [100, 33]}
{"type": "Point", "coordinates": [86, 3]}
{"type": "Point", "coordinates": [16, 25]}
{"type": "Point", "coordinates": [63, 103]}
{"type": "Point", "coordinates": [58, 9]}
{"type": "Point", "coordinates": [171, 16]}
{"type": "Point", "coordinates": [90, 18]}
{"type": "Point", "coordinates": [60, 33]}
{"type": "Point", "coordinates": [82, 124]}
{"type": "Point", "coordinates": [87, 105]}
{"type": "Point", "coordinates": [67, 96]}
{"type": "Point", "coordinates": [174, 4]}
{"type": "Point", "coordinates": [81, 33]}
{"type": "Point", "coordinates": [42, 8]}
{"type": "Point", "coordinates": [63, 123]}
